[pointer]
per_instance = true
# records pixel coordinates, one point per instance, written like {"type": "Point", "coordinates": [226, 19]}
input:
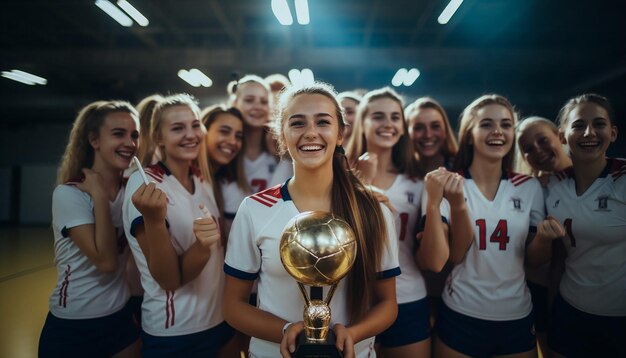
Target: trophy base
{"type": "Point", "coordinates": [326, 349]}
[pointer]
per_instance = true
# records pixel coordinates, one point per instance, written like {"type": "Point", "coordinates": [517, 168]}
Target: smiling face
{"type": "Point", "coordinates": [383, 124]}
{"type": "Point", "coordinates": [253, 102]}
{"type": "Point", "coordinates": [349, 109]}
{"type": "Point", "coordinates": [428, 132]}
{"type": "Point", "coordinates": [224, 139]}
{"type": "Point", "coordinates": [541, 147]}
{"type": "Point", "coordinates": [116, 142]}
{"type": "Point", "coordinates": [588, 132]}
{"type": "Point", "coordinates": [310, 130]}
{"type": "Point", "coordinates": [181, 133]}
{"type": "Point", "coordinates": [493, 132]}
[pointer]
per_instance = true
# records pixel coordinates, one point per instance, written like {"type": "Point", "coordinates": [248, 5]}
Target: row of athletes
{"type": "Point", "coordinates": [486, 308]}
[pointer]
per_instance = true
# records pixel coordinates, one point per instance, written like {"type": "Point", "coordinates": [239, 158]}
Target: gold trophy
{"type": "Point", "coordinates": [317, 249]}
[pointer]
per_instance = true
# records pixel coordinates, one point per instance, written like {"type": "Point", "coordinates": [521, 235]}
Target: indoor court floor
{"type": "Point", "coordinates": [27, 277]}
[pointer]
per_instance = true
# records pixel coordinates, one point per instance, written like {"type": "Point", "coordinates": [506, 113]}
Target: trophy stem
{"type": "Point", "coordinates": [307, 301]}
{"type": "Point", "coordinates": [331, 292]}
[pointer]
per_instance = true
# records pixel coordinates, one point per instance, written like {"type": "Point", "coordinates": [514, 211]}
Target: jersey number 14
{"type": "Point", "coordinates": [499, 234]}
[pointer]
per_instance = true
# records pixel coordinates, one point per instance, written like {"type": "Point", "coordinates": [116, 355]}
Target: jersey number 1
{"type": "Point", "coordinates": [499, 235]}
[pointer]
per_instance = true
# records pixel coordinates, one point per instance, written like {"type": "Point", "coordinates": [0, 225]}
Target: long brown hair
{"type": "Point", "coordinates": [402, 154]}
{"type": "Point", "coordinates": [412, 110]}
{"type": "Point", "coordinates": [146, 149]}
{"type": "Point", "coordinates": [233, 171]}
{"type": "Point", "coordinates": [79, 153]}
{"type": "Point", "coordinates": [181, 99]}
{"type": "Point", "coordinates": [352, 202]}
{"type": "Point", "coordinates": [468, 121]}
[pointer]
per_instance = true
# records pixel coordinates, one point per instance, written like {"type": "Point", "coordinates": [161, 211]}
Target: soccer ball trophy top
{"type": "Point", "coordinates": [317, 249]}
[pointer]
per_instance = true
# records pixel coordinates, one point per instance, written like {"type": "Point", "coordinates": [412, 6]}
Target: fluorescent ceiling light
{"type": "Point", "coordinates": [189, 78]}
{"type": "Point", "coordinates": [114, 12]}
{"type": "Point", "coordinates": [398, 78]}
{"type": "Point", "coordinates": [449, 11]}
{"type": "Point", "coordinates": [30, 77]}
{"type": "Point", "coordinates": [295, 77]}
{"type": "Point", "coordinates": [14, 77]}
{"type": "Point", "coordinates": [132, 12]}
{"type": "Point", "coordinates": [302, 11]}
{"type": "Point", "coordinates": [306, 75]}
{"type": "Point", "coordinates": [411, 76]}
{"type": "Point", "coordinates": [282, 12]}
{"type": "Point", "coordinates": [200, 77]}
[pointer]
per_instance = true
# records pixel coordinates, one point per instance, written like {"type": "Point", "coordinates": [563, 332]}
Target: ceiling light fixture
{"type": "Point", "coordinates": [282, 12]}
{"type": "Point", "coordinates": [114, 12]}
{"type": "Point", "coordinates": [398, 78]}
{"type": "Point", "coordinates": [449, 11]}
{"type": "Point", "coordinates": [133, 12]}
{"type": "Point", "coordinates": [302, 11]}
{"type": "Point", "coordinates": [195, 77]}
{"type": "Point", "coordinates": [24, 77]}
{"type": "Point", "coordinates": [411, 76]}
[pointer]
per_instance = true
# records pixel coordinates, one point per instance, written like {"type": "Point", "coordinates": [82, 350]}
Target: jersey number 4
{"type": "Point", "coordinates": [499, 235]}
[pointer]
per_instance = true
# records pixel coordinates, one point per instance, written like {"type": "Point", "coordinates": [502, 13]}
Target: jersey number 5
{"type": "Point", "coordinates": [499, 235]}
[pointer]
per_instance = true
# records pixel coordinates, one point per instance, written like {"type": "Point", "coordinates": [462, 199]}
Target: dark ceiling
{"type": "Point", "coordinates": [536, 52]}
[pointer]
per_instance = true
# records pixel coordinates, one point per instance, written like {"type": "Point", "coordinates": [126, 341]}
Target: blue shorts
{"type": "Point", "coordinates": [93, 337]}
{"type": "Point", "coordinates": [412, 325]}
{"type": "Point", "coordinates": [539, 296]}
{"type": "Point", "coordinates": [483, 338]}
{"type": "Point", "coordinates": [201, 344]}
{"type": "Point", "coordinates": [574, 333]}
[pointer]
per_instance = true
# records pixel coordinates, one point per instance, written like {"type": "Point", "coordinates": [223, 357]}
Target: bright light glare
{"type": "Point", "coordinates": [306, 75]}
{"type": "Point", "coordinates": [449, 11]}
{"type": "Point", "coordinates": [133, 12]}
{"type": "Point", "coordinates": [30, 77]}
{"type": "Point", "coordinates": [14, 77]}
{"type": "Point", "coordinates": [200, 77]}
{"type": "Point", "coordinates": [114, 12]}
{"type": "Point", "coordinates": [282, 12]}
{"type": "Point", "coordinates": [411, 76]}
{"type": "Point", "coordinates": [398, 78]}
{"type": "Point", "coordinates": [295, 77]}
{"type": "Point", "coordinates": [302, 11]}
{"type": "Point", "coordinates": [189, 78]}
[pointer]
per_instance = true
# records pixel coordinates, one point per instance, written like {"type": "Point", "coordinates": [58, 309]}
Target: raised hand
{"type": "Point", "coordinates": [206, 230]}
{"type": "Point", "coordinates": [367, 165]}
{"type": "Point", "coordinates": [453, 190]}
{"type": "Point", "coordinates": [151, 202]}
{"type": "Point", "coordinates": [434, 184]}
{"type": "Point", "coordinates": [550, 229]}
{"type": "Point", "coordinates": [93, 183]}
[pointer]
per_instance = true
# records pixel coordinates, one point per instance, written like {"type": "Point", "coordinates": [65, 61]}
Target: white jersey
{"type": "Point", "coordinates": [405, 194]}
{"type": "Point", "coordinates": [233, 196]}
{"type": "Point", "coordinates": [82, 291]}
{"type": "Point", "coordinates": [253, 252]}
{"type": "Point", "coordinates": [196, 306]}
{"type": "Point", "coordinates": [594, 280]}
{"type": "Point", "coordinates": [259, 172]}
{"type": "Point", "coordinates": [489, 283]}
{"type": "Point", "coordinates": [283, 171]}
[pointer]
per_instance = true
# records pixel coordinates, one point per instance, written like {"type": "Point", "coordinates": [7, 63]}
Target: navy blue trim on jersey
{"type": "Point", "coordinates": [388, 273]}
{"type": "Point", "coordinates": [139, 220]}
{"type": "Point", "coordinates": [607, 168]}
{"type": "Point", "coordinates": [284, 192]}
{"type": "Point", "coordinates": [532, 229]}
{"type": "Point", "coordinates": [230, 216]}
{"type": "Point", "coordinates": [231, 271]}
{"type": "Point", "coordinates": [422, 223]}
{"type": "Point", "coordinates": [165, 169]}
{"type": "Point", "coordinates": [65, 232]}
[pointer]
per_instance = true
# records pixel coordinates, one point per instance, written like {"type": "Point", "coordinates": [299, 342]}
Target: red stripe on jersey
{"type": "Point", "coordinates": [64, 285]}
{"type": "Point", "coordinates": [618, 175]}
{"type": "Point", "coordinates": [521, 181]}
{"type": "Point", "coordinates": [156, 172]}
{"type": "Point", "coordinates": [268, 197]}
{"type": "Point", "coordinates": [617, 164]}
{"type": "Point", "coordinates": [170, 313]}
